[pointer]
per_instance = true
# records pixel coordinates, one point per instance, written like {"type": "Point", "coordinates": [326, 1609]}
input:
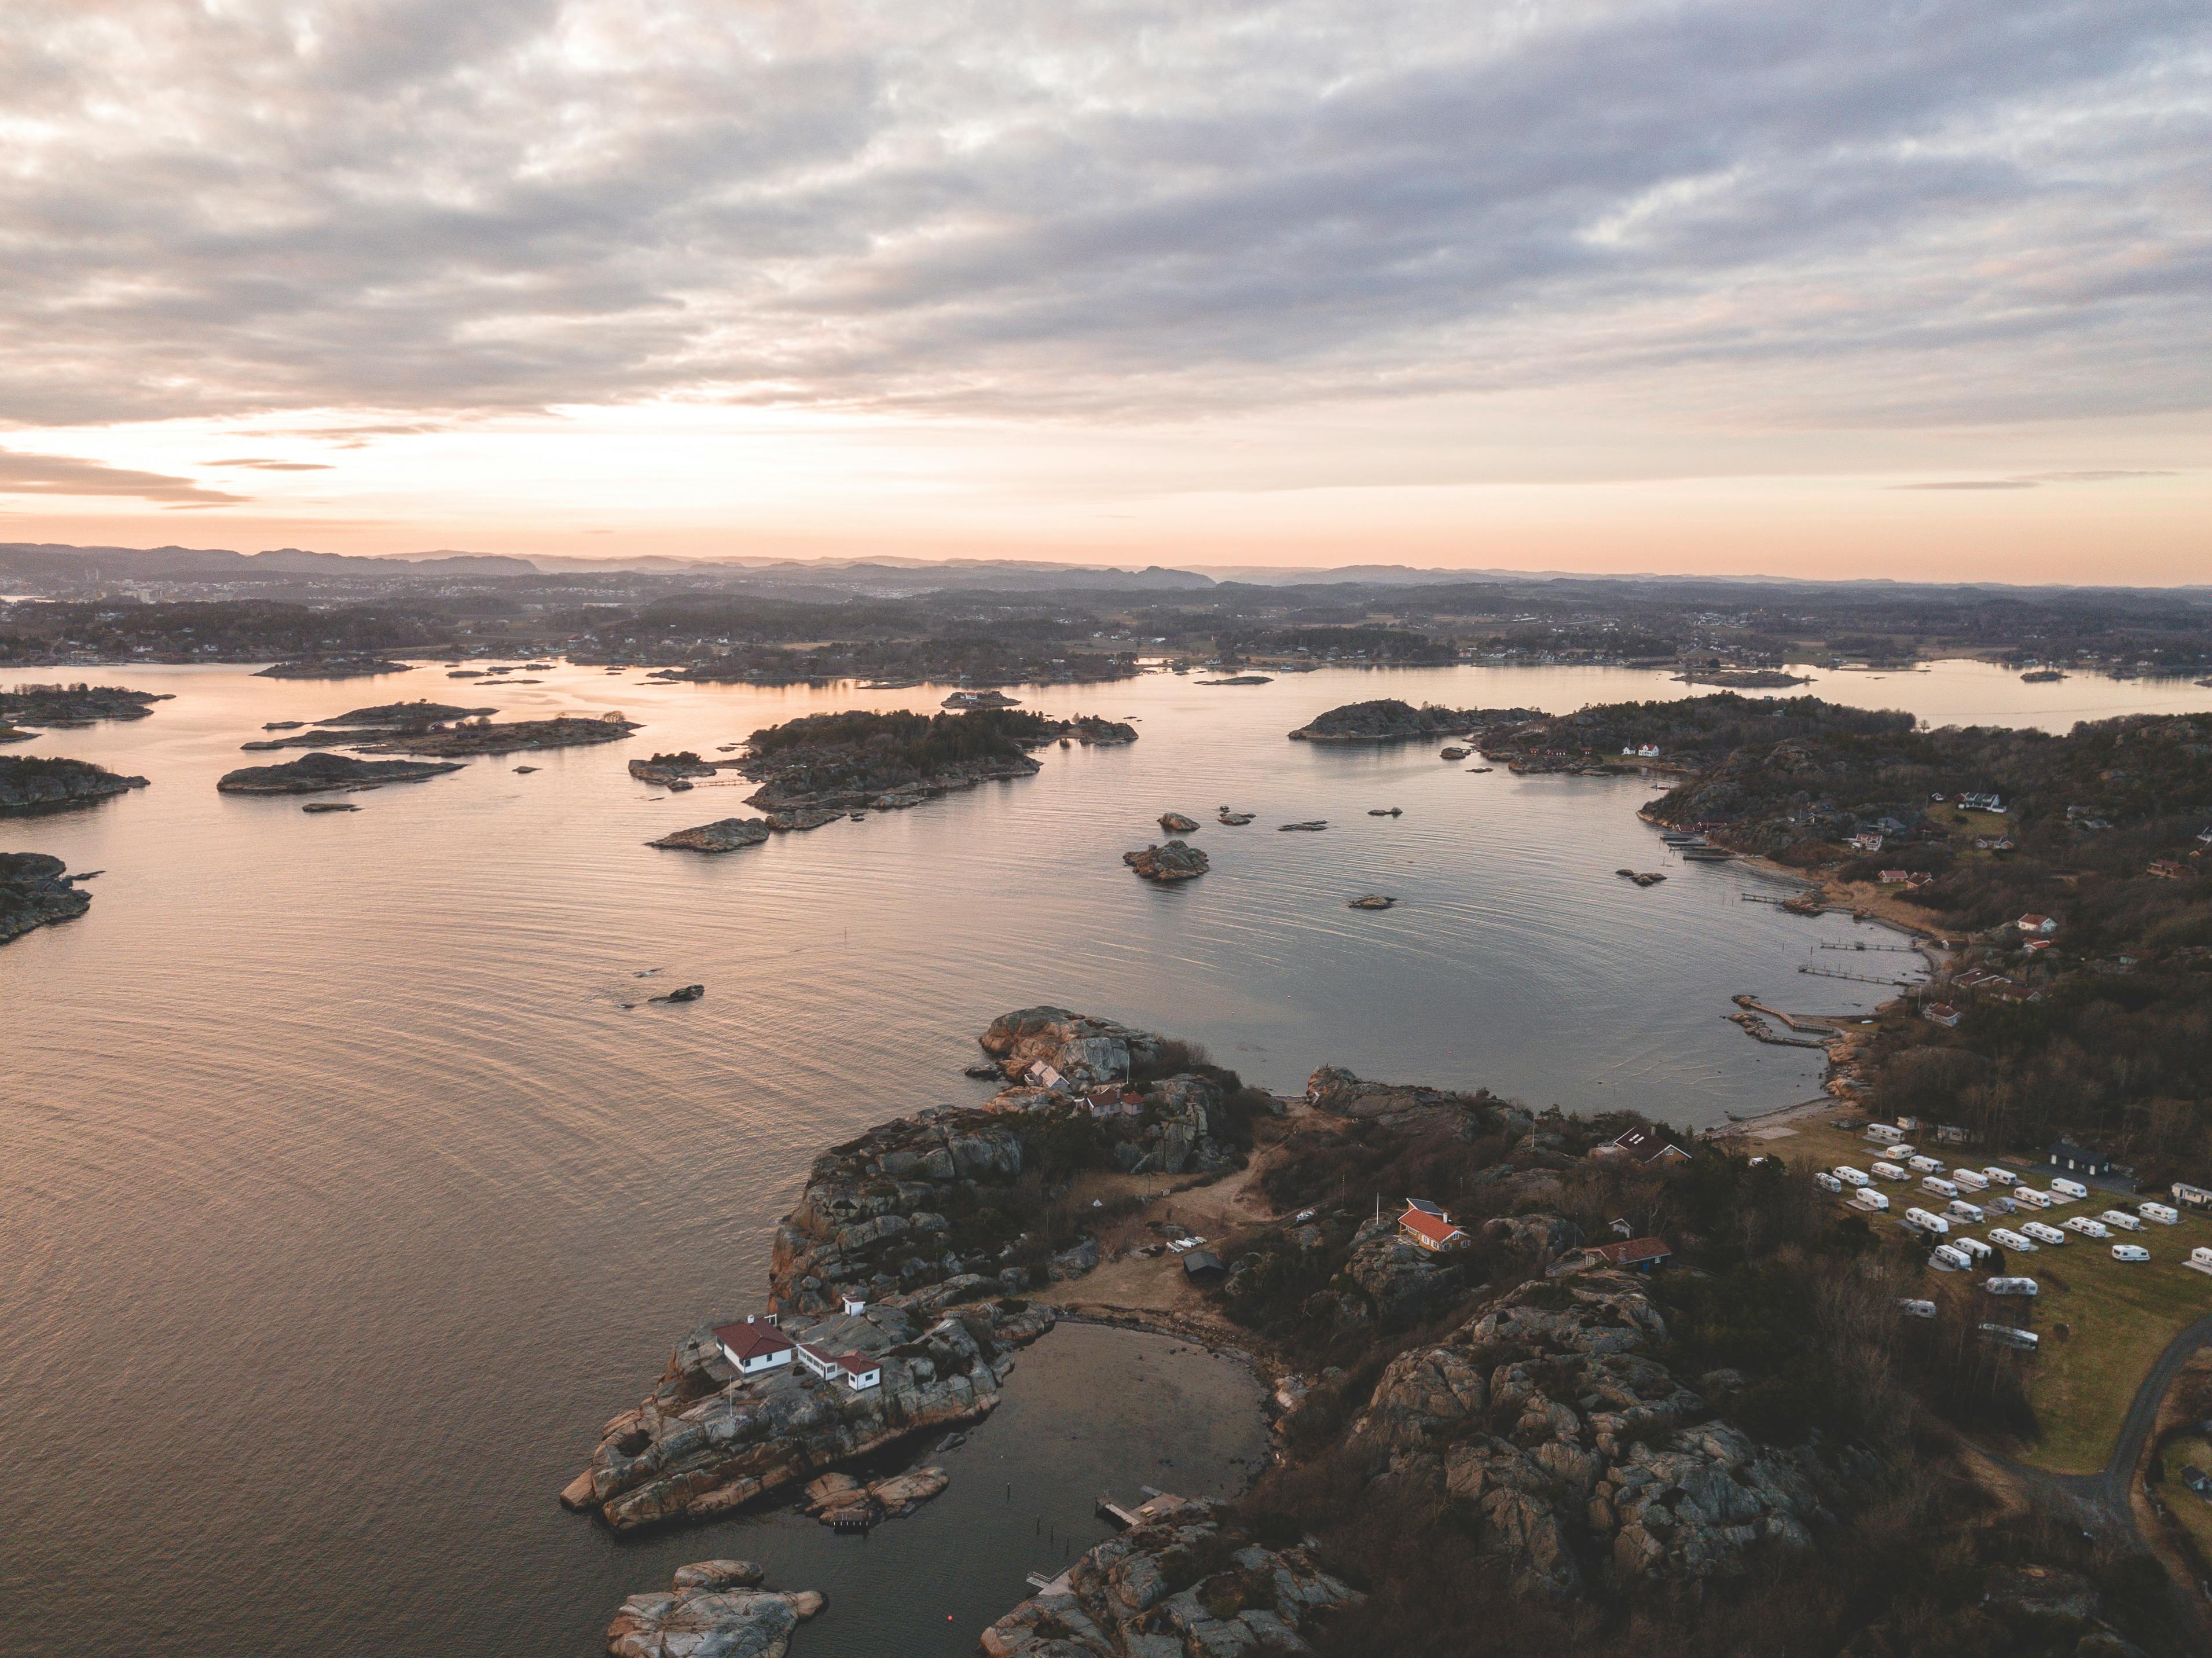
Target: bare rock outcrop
{"type": "Point", "coordinates": [1077, 1045]}
{"type": "Point", "coordinates": [839, 1499]}
{"type": "Point", "coordinates": [34, 892]}
{"type": "Point", "coordinates": [716, 1609]}
{"type": "Point", "coordinates": [1579, 1458]}
{"type": "Point", "coordinates": [724, 834]}
{"type": "Point", "coordinates": [1332, 1088]}
{"type": "Point", "coordinates": [39, 783]}
{"type": "Point", "coordinates": [1184, 1580]}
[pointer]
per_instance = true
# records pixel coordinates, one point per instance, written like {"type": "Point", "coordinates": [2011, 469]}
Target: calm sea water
{"type": "Point", "coordinates": [346, 1196]}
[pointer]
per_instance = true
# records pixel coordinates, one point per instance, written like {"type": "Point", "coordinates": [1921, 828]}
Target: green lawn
{"type": "Point", "coordinates": [2103, 1322]}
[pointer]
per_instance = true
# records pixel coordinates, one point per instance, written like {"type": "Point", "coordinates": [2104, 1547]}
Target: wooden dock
{"type": "Point", "coordinates": [1114, 1515]}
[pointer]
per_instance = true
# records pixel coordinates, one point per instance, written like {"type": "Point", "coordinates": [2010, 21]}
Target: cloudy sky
{"type": "Point", "coordinates": [1730, 285]}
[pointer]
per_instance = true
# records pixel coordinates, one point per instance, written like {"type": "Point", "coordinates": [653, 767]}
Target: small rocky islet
{"type": "Point", "coordinates": [355, 666]}
{"type": "Point", "coordinates": [712, 1609]}
{"type": "Point", "coordinates": [313, 774]}
{"type": "Point", "coordinates": [1176, 861]}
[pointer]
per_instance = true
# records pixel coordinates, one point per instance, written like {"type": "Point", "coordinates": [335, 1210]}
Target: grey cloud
{"type": "Point", "coordinates": [1976, 483]}
{"type": "Point", "coordinates": [263, 464]}
{"type": "Point", "coordinates": [66, 475]}
{"type": "Point", "coordinates": [1949, 212]}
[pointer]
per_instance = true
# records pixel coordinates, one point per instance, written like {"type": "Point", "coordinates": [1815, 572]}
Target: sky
{"type": "Point", "coordinates": [1917, 288]}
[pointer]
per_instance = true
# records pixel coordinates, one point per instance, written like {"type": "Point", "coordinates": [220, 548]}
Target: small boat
{"type": "Point", "coordinates": [859, 818]}
{"type": "Point", "coordinates": [1682, 838]}
{"type": "Point", "coordinates": [1707, 854]}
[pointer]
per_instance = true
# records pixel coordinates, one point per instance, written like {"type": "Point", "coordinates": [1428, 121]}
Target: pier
{"type": "Point", "coordinates": [1114, 1515]}
{"type": "Point", "coordinates": [1858, 978]}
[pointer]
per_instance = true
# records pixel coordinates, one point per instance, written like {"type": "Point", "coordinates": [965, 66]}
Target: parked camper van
{"type": "Point", "coordinates": [2031, 1197]}
{"type": "Point", "coordinates": [2006, 1335]}
{"type": "Point", "coordinates": [1924, 1165]}
{"type": "Point", "coordinates": [1959, 1209]}
{"type": "Point", "coordinates": [2123, 1219]}
{"type": "Point", "coordinates": [1903, 1153]}
{"type": "Point", "coordinates": [1946, 1258]}
{"type": "Point", "coordinates": [2130, 1252]}
{"type": "Point", "coordinates": [2071, 1190]}
{"type": "Point", "coordinates": [1973, 1249]}
{"type": "Point", "coordinates": [2043, 1232]}
{"type": "Point", "coordinates": [1871, 1201]}
{"type": "Point", "coordinates": [1927, 1308]}
{"type": "Point", "coordinates": [2012, 1286]}
{"type": "Point", "coordinates": [1890, 1171]}
{"type": "Point", "coordinates": [2159, 1212]}
{"type": "Point", "coordinates": [1882, 1131]}
{"type": "Point", "coordinates": [1921, 1221]}
{"type": "Point", "coordinates": [1936, 1186]}
{"type": "Point", "coordinates": [1826, 1181]}
{"type": "Point", "coordinates": [1970, 1180]}
{"type": "Point", "coordinates": [2199, 1261]}
{"type": "Point", "coordinates": [2187, 1196]}
{"type": "Point", "coordinates": [2000, 1176]}
{"type": "Point", "coordinates": [1851, 1176]}
{"type": "Point", "coordinates": [2087, 1227]}
{"type": "Point", "coordinates": [2019, 1242]}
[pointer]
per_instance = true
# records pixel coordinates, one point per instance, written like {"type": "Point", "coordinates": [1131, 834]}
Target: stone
{"type": "Point", "coordinates": [1175, 823]}
{"type": "Point", "coordinates": [713, 1612]}
{"type": "Point", "coordinates": [1175, 861]}
{"type": "Point", "coordinates": [724, 835]}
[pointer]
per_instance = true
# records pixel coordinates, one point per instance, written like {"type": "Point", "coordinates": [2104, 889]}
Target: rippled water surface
{"type": "Point", "coordinates": [347, 1194]}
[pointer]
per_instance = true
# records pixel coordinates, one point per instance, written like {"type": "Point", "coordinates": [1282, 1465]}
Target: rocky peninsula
{"type": "Point", "coordinates": [1389, 721]}
{"type": "Point", "coordinates": [38, 783]}
{"type": "Point", "coordinates": [311, 774]}
{"type": "Point", "coordinates": [840, 763]}
{"type": "Point", "coordinates": [34, 892]}
{"type": "Point", "coordinates": [76, 705]}
{"type": "Point", "coordinates": [908, 1253]}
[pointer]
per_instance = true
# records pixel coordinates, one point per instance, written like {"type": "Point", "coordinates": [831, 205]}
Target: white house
{"type": "Point", "coordinates": [856, 1370]}
{"type": "Point", "coordinates": [754, 1346]}
{"type": "Point", "coordinates": [2041, 925]}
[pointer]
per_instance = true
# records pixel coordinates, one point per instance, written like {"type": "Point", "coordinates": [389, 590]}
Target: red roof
{"type": "Point", "coordinates": [1435, 1228]}
{"type": "Point", "coordinates": [1636, 1249]}
{"type": "Point", "coordinates": [750, 1340]}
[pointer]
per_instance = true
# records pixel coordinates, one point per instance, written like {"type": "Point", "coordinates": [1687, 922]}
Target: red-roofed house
{"type": "Point", "coordinates": [2043, 925]}
{"type": "Point", "coordinates": [1428, 1226]}
{"type": "Point", "coordinates": [1636, 1255]}
{"type": "Point", "coordinates": [754, 1346]}
{"type": "Point", "coordinates": [856, 1370]}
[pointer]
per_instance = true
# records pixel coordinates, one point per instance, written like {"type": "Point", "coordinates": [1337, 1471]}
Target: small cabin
{"type": "Point", "coordinates": [1427, 1227]}
{"type": "Point", "coordinates": [857, 1372]}
{"type": "Point", "coordinates": [2041, 927]}
{"type": "Point", "coordinates": [2079, 1159]}
{"type": "Point", "coordinates": [1634, 1255]}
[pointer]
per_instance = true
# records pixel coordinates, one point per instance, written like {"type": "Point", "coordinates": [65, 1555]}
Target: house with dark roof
{"type": "Point", "coordinates": [1633, 1254]}
{"type": "Point", "coordinates": [1647, 1147]}
{"type": "Point", "coordinates": [2078, 1159]}
{"type": "Point", "coordinates": [754, 1346]}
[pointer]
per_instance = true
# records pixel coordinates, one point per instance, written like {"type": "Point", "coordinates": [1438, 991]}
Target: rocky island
{"type": "Point", "coordinates": [515, 737]}
{"type": "Point", "coordinates": [332, 667]}
{"type": "Point", "coordinates": [1173, 862]}
{"type": "Point", "coordinates": [724, 835]}
{"type": "Point", "coordinates": [39, 783]}
{"type": "Point", "coordinates": [75, 705]}
{"type": "Point", "coordinates": [35, 892]}
{"type": "Point", "coordinates": [832, 763]}
{"type": "Point", "coordinates": [673, 771]}
{"type": "Point", "coordinates": [714, 1609]}
{"type": "Point", "coordinates": [311, 774]}
{"type": "Point", "coordinates": [1389, 721]}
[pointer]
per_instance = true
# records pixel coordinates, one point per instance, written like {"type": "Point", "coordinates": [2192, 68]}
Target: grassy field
{"type": "Point", "coordinates": [2103, 1322]}
{"type": "Point", "coordinates": [2194, 1512]}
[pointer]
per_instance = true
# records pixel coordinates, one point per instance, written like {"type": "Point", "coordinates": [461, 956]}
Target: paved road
{"type": "Point", "coordinates": [2100, 1499]}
